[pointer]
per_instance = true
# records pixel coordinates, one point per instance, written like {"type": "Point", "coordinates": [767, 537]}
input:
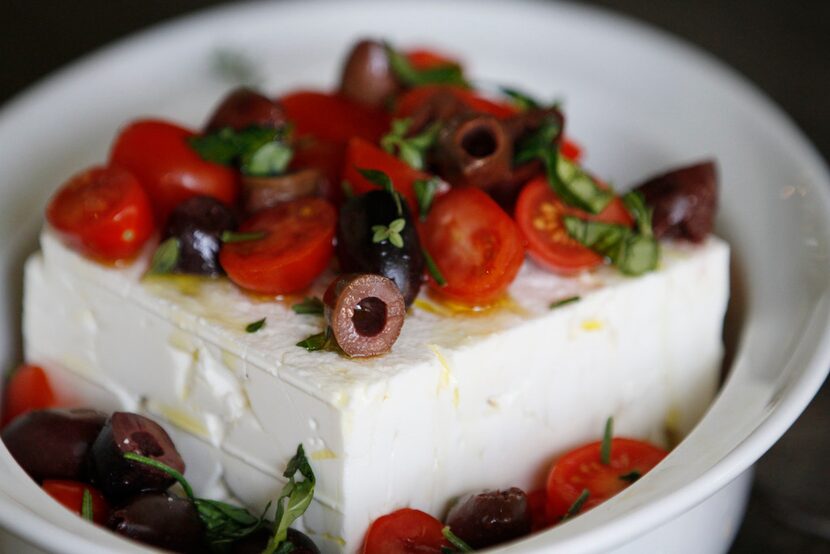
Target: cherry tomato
{"type": "Point", "coordinates": [332, 117]}
{"type": "Point", "coordinates": [71, 495]}
{"type": "Point", "coordinates": [28, 389]}
{"type": "Point", "coordinates": [169, 169]}
{"type": "Point", "coordinates": [295, 249]}
{"type": "Point", "coordinates": [102, 213]}
{"type": "Point", "coordinates": [539, 214]}
{"type": "Point", "coordinates": [570, 150]}
{"type": "Point", "coordinates": [405, 531]}
{"type": "Point", "coordinates": [476, 246]}
{"type": "Point", "coordinates": [537, 502]}
{"type": "Point", "coordinates": [421, 58]}
{"type": "Point", "coordinates": [411, 100]}
{"type": "Point", "coordinates": [582, 469]}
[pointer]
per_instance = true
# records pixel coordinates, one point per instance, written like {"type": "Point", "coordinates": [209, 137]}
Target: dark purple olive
{"type": "Point", "coordinates": [259, 193]}
{"type": "Point", "coordinates": [367, 76]}
{"type": "Point", "coordinates": [684, 201]}
{"type": "Point", "coordinates": [162, 520]}
{"type": "Point", "coordinates": [475, 150]}
{"type": "Point", "coordinates": [491, 517]}
{"type": "Point", "coordinates": [125, 432]}
{"type": "Point", "coordinates": [244, 107]}
{"type": "Point", "coordinates": [53, 444]}
{"type": "Point", "coordinates": [357, 252]}
{"type": "Point", "coordinates": [256, 542]}
{"type": "Point", "coordinates": [198, 224]}
{"type": "Point", "coordinates": [365, 313]}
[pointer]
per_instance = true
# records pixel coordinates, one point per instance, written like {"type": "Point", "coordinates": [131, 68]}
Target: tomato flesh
{"type": "Point", "coordinates": [295, 249]}
{"type": "Point", "coordinates": [476, 246]}
{"type": "Point", "coordinates": [28, 389]}
{"type": "Point", "coordinates": [71, 495]}
{"type": "Point", "coordinates": [405, 531]}
{"type": "Point", "coordinates": [582, 469]}
{"type": "Point", "coordinates": [422, 58]}
{"type": "Point", "coordinates": [169, 169]}
{"type": "Point", "coordinates": [332, 117]}
{"type": "Point", "coordinates": [414, 98]}
{"type": "Point", "coordinates": [539, 214]}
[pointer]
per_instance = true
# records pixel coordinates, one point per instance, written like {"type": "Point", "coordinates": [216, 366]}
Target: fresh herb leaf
{"type": "Point", "coordinates": [605, 447]}
{"type": "Point", "coordinates": [294, 499]}
{"type": "Point", "coordinates": [381, 179]}
{"type": "Point", "coordinates": [234, 236]}
{"type": "Point", "coordinates": [573, 185]}
{"type": "Point", "coordinates": [255, 326]}
{"type": "Point", "coordinates": [577, 505]}
{"type": "Point", "coordinates": [321, 341]}
{"type": "Point", "coordinates": [633, 253]}
{"type": "Point", "coordinates": [166, 257]}
{"type": "Point", "coordinates": [235, 67]}
{"type": "Point", "coordinates": [425, 193]}
{"type": "Point", "coordinates": [455, 540]}
{"type": "Point", "coordinates": [86, 506]}
{"type": "Point", "coordinates": [564, 302]}
{"type": "Point", "coordinates": [272, 158]}
{"type": "Point", "coordinates": [538, 143]}
{"type": "Point", "coordinates": [133, 457]}
{"type": "Point", "coordinates": [392, 232]}
{"type": "Point", "coordinates": [259, 151]}
{"type": "Point", "coordinates": [411, 150]}
{"type": "Point", "coordinates": [310, 305]}
{"type": "Point", "coordinates": [636, 205]}
{"type": "Point", "coordinates": [520, 99]}
{"type": "Point", "coordinates": [449, 74]}
{"type": "Point", "coordinates": [631, 476]}
{"type": "Point", "coordinates": [432, 267]}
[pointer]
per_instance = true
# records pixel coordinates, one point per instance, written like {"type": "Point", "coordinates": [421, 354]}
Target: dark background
{"type": "Point", "coordinates": [783, 47]}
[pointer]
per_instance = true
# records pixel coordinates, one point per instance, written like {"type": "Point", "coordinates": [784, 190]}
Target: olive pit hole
{"type": "Point", "coordinates": [479, 142]}
{"type": "Point", "coordinates": [147, 445]}
{"type": "Point", "coordinates": [369, 317]}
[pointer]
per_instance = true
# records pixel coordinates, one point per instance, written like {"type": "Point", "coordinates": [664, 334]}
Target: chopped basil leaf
{"type": "Point", "coordinates": [294, 499]}
{"type": "Point", "coordinates": [234, 236]}
{"type": "Point", "coordinates": [311, 305]}
{"type": "Point", "coordinates": [425, 193]}
{"type": "Point", "coordinates": [381, 179]}
{"type": "Point", "coordinates": [636, 205]}
{"type": "Point", "coordinates": [166, 257]}
{"type": "Point", "coordinates": [455, 540]}
{"type": "Point", "coordinates": [86, 506]}
{"type": "Point", "coordinates": [321, 341]}
{"type": "Point", "coordinates": [639, 255]}
{"type": "Point", "coordinates": [432, 267]}
{"type": "Point", "coordinates": [520, 99]}
{"type": "Point", "coordinates": [449, 74]}
{"type": "Point", "coordinates": [632, 253]}
{"type": "Point", "coordinates": [536, 144]}
{"type": "Point", "coordinates": [564, 302]}
{"type": "Point", "coordinates": [573, 185]}
{"type": "Point", "coordinates": [259, 151]}
{"type": "Point", "coordinates": [133, 457]}
{"type": "Point", "coordinates": [411, 150]}
{"type": "Point", "coordinates": [272, 158]}
{"type": "Point", "coordinates": [631, 476]}
{"type": "Point", "coordinates": [577, 505]}
{"type": "Point", "coordinates": [605, 447]}
{"type": "Point", "coordinates": [392, 233]}
{"type": "Point", "coordinates": [255, 326]}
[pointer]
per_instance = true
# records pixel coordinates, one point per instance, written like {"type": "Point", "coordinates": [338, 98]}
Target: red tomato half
{"type": "Point", "coordinates": [421, 58]}
{"type": "Point", "coordinates": [28, 389]}
{"type": "Point", "coordinates": [102, 213]}
{"type": "Point", "coordinates": [539, 214]}
{"type": "Point", "coordinates": [332, 117]}
{"type": "Point", "coordinates": [414, 98]}
{"type": "Point", "coordinates": [296, 248]}
{"type": "Point", "coordinates": [171, 171]}
{"type": "Point", "coordinates": [582, 469]}
{"type": "Point", "coordinates": [405, 531]}
{"type": "Point", "coordinates": [476, 246]}
{"type": "Point", "coordinates": [71, 495]}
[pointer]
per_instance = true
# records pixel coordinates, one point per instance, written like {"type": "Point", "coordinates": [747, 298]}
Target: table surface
{"type": "Point", "coordinates": [782, 48]}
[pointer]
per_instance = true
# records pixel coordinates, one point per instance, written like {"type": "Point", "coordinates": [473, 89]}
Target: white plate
{"type": "Point", "coordinates": [639, 100]}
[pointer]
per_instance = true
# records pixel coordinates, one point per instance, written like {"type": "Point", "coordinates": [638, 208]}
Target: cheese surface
{"type": "Point", "coordinates": [465, 401]}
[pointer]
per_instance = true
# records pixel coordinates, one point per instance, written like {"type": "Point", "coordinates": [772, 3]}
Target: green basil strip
{"type": "Point", "coordinates": [294, 499]}
{"type": "Point", "coordinates": [449, 74]}
{"type": "Point", "coordinates": [575, 186]}
{"type": "Point", "coordinates": [633, 254]}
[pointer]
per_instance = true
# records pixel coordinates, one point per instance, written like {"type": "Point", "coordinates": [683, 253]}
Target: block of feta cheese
{"type": "Point", "coordinates": [465, 401]}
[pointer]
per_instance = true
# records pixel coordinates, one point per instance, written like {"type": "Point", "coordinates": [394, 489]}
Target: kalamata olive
{"type": "Point", "coordinates": [53, 444]}
{"type": "Point", "coordinates": [125, 432]}
{"type": "Point", "coordinates": [244, 107]}
{"type": "Point", "coordinates": [491, 517]}
{"type": "Point", "coordinates": [365, 312]}
{"type": "Point", "coordinates": [198, 223]}
{"type": "Point", "coordinates": [367, 76]}
{"type": "Point", "coordinates": [475, 150]}
{"type": "Point", "coordinates": [684, 201]}
{"type": "Point", "coordinates": [162, 520]}
{"type": "Point", "coordinates": [359, 253]}
{"type": "Point", "coordinates": [256, 542]}
{"type": "Point", "coordinates": [259, 193]}
{"type": "Point", "coordinates": [442, 105]}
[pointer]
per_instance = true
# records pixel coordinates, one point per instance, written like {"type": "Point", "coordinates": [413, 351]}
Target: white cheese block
{"type": "Point", "coordinates": [464, 402]}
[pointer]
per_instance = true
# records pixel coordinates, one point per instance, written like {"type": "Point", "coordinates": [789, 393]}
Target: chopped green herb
{"type": "Point", "coordinates": [392, 232]}
{"type": "Point", "coordinates": [272, 158]}
{"type": "Point", "coordinates": [86, 506]}
{"type": "Point", "coordinates": [255, 326]}
{"type": "Point", "coordinates": [538, 143]}
{"type": "Point", "coordinates": [636, 205]}
{"type": "Point", "coordinates": [520, 99]}
{"type": "Point", "coordinates": [259, 151]}
{"type": "Point", "coordinates": [577, 505]}
{"type": "Point", "coordinates": [605, 447]}
{"type": "Point", "coordinates": [234, 236]}
{"type": "Point", "coordinates": [294, 499]}
{"type": "Point", "coordinates": [321, 341]}
{"type": "Point", "coordinates": [425, 193]}
{"type": "Point", "coordinates": [432, 267]}
{"type": "Point", "coordinates": [564, 302]}
{"type": "Point", "coordinates": [411, 150]}
{"type": "Point", "coordinates": [455, 540]}
{"type": "Point", "coordinates": [449, 74]}
{"type": "Point", "coordinates": [631, 476]}
{"type": "Point", "coordinates": [235, 67]}
{"type": "Point", "coordinates": [381, 179]}
{"type": "Point", "coordinates": [166, 257]}
{"type": "Point", "coordinates": [573, 185]}
{"type": "Point", "coordinates": [133, 457]}
{"type": "Point", "coordinates": [310, 305]}
{"type": "Point", "coordinates": [633, 253]}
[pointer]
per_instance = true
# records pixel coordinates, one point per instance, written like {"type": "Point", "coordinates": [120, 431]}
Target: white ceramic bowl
{"type": "Point", "coordinates": [639, 100]}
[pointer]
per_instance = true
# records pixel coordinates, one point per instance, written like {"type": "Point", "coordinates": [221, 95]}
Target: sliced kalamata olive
{"type": "Point", "coordinates": [367, 76]}
{"type": "Point", "coordinates": [490, 518]}
{"type": "Point", "coordinates": [684, 201]}
{"type": "Point", "coordinates": [126, 432]}
{"type": "Point", "coordinates": [259, 193]}
{"type": "Point", "coordinates": [244, 107]}
{"type": "Point", "coordinates": [365, 312]}
{"type": "Point", "coordinates": [442, 105]}
{"type": "Point", "coordinates": [198, 224]}
{"type": "Point", "coordinates": [475, 150]}
{"type": "Point", "coordinates": [256, 542]}
{"type": "Point", "coordinates": [162, 520]}
{"type": "Point", "coordinates": [53, 444]}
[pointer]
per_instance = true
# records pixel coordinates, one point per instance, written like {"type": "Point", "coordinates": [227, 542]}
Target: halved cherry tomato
{"type": "Point", "coordinates": [71, 495]}
{"type": "Point", "coordinates": [363, 155]}
{"type": "Point", "coordinates": [411, 100]}
{"type": "Point", "coordinates": [332, 117]}
{"type": "Point", "coordinates": [169, 169]}
{"type": "Point", "coordinates": [295, 249]}
{"type": "Point", "coordinates": [582, 469]}
{"type": "Point", "coordinates": [28, 389]}
{"type": "Point", "coordinates": [102, 213]}
{"type": "Point", "coordinates": [476, 246]}
{"type": "Point", "coordinates": [405, 531]}
{"type": "Point", "coordinates": [421, 58]}
{"type": "Point", "coordinates": [570, 150]}
{"type": "Point", "coordinates": [539, 214]}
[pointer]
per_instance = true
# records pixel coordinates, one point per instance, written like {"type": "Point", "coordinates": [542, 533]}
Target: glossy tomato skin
{"type": "Point", "coordinates": [476, 246]}
{"type": "Point", "coordinates": [405, 531]}
{"type": "Point", "coordinates": [103, 213]}
{"type": "Point", "coordinates": [169, 169]}
{"type": "Point", "coordinates": [71, 495]}
{"type": "Point", "coordinates": [296, 248]}
{"type": "Point", "coordinates": [28, 389]}
{"type": "Point", "coordinates": [582, 469]}
{"type": "Point", "coordinates": [539, 214]}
